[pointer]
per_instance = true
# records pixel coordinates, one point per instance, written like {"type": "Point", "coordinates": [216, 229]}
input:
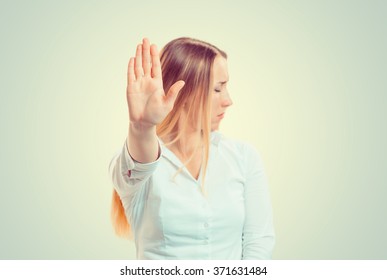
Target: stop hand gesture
{"type": "Point", "coordinates": [147, 102]}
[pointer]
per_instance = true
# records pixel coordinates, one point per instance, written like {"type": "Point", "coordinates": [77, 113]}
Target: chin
{"type": "Point", "coordinates": [214, 127]}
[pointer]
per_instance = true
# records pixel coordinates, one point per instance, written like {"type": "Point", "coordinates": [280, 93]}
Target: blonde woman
{"type": "Point", "coordinates": [181, 189]}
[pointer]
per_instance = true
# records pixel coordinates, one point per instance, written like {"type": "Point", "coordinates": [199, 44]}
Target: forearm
{"type": "Point", "coordinates": [142, 143]}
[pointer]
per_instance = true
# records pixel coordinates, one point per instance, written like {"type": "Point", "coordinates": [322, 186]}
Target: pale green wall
{"type": "Point", "coordinates": [308, 80]}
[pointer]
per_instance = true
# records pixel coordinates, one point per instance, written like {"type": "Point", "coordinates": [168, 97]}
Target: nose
{"type": "Point", "coordinates": [226, 101]}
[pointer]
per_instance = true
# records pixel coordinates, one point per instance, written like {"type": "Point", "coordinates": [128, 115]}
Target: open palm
{"type": "Point", "coordinates": [147, 102]}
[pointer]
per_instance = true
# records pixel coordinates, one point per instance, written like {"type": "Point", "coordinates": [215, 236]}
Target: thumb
{"type": "Point", "coordinates": [174, 91]}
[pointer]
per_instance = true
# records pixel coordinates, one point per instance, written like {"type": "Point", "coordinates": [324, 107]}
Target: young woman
{"type": "Point", "coordinates": [182, 189]}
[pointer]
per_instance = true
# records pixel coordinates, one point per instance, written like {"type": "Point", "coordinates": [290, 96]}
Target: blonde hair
{"type": "Point", "coordinates": [190, 60]}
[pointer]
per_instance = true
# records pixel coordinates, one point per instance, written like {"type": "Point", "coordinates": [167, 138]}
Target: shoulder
{"type": "Point", "coordinates": [242, 147]}
{"type": "Point", "coordinates": [242, 151]}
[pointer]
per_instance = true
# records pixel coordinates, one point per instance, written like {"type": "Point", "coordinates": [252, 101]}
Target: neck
{"type": "Point", "coordinates": [191, 141]}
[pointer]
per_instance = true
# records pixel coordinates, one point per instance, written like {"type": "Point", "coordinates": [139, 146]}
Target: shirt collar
{"type": "Point", "coordinates": [215, 137]}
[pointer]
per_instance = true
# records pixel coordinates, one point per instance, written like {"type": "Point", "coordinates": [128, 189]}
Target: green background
{"type": "Point", "coordinates": [308, 81]}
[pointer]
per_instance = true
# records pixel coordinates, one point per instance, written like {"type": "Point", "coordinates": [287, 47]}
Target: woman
{"type": "Point", "coordinates": [181, 188]}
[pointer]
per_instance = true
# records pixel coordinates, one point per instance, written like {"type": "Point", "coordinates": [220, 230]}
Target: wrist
{"type": "Point", "coordinates": [138, 128]}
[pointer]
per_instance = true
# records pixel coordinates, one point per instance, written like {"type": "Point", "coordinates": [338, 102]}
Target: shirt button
{"type": "Point", "coordinates": [206, 225]}
{"type": "Point", "coordinates": [206, 242]}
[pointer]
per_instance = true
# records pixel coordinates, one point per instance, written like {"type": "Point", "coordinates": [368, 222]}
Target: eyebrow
{"type": "Point", "coordinates": [222, 83]}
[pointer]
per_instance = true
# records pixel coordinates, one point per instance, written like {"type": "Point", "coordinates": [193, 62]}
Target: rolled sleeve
{"type": "Point", "coordinates": [129, 175]}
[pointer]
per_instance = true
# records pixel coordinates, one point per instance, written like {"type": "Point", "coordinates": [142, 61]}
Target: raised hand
{"type": "Point", "coordinates": [148, 104]}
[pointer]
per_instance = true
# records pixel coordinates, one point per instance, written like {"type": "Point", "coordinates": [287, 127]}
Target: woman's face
{"type": "Point", "coordinates": [220, 98]}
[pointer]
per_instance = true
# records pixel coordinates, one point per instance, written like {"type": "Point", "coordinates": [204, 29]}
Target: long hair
{"type": "Point", "coordinates": [190, 60]}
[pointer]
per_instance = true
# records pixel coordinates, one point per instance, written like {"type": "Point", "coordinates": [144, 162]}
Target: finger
{"type": "Point", "coordinates": [146, 60]}
{"type": "Point", "coordinates": [156, 67]}
{"type": "Point", "coordinates": [131, 76]}
{"type": "Point", "coordinates": [138, 62]}
{"type": "Point", "coordinates": [174, 91]}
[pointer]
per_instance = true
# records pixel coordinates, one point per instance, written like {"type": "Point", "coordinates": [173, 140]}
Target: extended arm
{"type": "Point", "coordinates": [148, 104]}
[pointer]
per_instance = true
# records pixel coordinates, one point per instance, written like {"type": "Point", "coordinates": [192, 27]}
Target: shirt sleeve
{"type": "Point", "coordinates": [258, 232]}
{"type": "Point", "coordinates": [129, 175]}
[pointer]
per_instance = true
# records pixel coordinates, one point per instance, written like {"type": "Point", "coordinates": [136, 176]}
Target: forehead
{"type": "Point", "coordinates": [220, 70]}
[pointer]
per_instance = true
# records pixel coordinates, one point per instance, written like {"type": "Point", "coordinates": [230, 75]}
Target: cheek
{"type": "Point", "coordinates": [215, 103]}
{"type": "Point", "coordinates": [213, 111]}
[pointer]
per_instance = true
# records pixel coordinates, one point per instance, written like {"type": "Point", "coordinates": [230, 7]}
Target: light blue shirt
{"type": "Point", "coordinates": [172, 219]}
